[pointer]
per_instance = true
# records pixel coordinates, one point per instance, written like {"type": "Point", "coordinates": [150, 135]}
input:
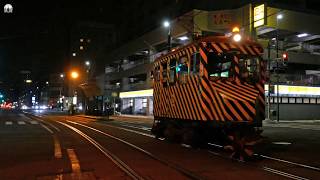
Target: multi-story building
{"type": "Point", "coordinates": [279, 28]}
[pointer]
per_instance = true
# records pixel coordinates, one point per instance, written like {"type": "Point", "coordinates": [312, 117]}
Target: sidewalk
{"type": "Point", "coordinates": [299, 124]}
{"type": "Point", "coordinates": [130, 118]}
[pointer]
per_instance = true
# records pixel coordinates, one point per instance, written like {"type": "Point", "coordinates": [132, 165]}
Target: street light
{"type": "Point", "coordinates": [166, 24]}
{"type": "Point", "coordinates": [74, 74]}
{"type": "Point", "coordinates": [62, 75]}
{"type": "Point", "coordinates": [279, 17]}
{"type": "Point", "coordinates": [87, 63]}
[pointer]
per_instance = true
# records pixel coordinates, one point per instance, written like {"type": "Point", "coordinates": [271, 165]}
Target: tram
{"type": "Point", "coordinates": [211, 89]}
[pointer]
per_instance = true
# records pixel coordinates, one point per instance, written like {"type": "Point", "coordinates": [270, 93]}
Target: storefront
{"type": "Point", "coordinates": [137, 102]}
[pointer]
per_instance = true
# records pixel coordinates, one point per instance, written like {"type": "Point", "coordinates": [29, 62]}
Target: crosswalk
{"type": "Point", "coordinates": [18, 122]}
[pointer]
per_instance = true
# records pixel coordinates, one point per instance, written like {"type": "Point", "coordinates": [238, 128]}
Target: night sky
{"type": "Point", "coordinates": [35, 36]}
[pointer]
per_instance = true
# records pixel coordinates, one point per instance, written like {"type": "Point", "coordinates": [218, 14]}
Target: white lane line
{"type": "Point", "coordinates": [133, 131]}
{"type": "Point", "coordinates": [48, 129]}
{"type": "Point", "coordinates": [289, 162]}
{"type": "Point", "coordinates": [281, 173]}
{"type": "Point", "coordinates": [75, 165]}
{"type": "Point", "coordinates": [34, 122]}
{"type": "Point", "coordinates": [21, 122]}
{"type": "Point", "coordinates": [277, 159]}
{"type": "Point", "coordinates": [57, 148]}
{"type": "Point", "coordinates": [8, 123]}
{"type": "Point", "coordinates": [51, 125]}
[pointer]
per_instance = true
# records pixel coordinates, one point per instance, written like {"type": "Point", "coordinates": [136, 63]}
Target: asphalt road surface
{"type": "Point", "coordinates": [73, 147]}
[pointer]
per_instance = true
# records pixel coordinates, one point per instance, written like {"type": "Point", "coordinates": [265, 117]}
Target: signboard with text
{"type": "Point", "coordinates": [259, 15]}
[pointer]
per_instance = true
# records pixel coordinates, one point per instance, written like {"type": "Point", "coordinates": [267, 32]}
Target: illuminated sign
{"type": "Point", "coordinates": [296, 90]}
{"type": "Point", "coordinates": [133, 94]}
{"type": "Point", "coordinates": [258, 15]}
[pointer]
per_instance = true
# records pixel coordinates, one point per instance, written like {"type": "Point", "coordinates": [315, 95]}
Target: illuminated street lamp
{"type": "Point", "coordinates": [74, 75]}
{"type": "Point", "coordinates": [87, 63]}
{"type": "Point", "coordinates": [279, 16]}
{"type": "Point", "coordinates": [166, 24]}
{"type": "Point", "coordinates": [62, 75]}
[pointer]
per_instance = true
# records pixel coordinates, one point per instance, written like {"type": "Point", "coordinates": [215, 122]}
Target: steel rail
{"type": "Point", "coordinates": [123, 166]}
{"type": "Point", "coordinates": [183, 171]}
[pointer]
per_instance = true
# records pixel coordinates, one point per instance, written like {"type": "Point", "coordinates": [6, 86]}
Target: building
{"type": "Point", "coordinates": [279, 29]}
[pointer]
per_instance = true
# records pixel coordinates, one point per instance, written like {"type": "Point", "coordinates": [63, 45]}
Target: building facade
{"type": "Point", "coordinates": [128, 82]}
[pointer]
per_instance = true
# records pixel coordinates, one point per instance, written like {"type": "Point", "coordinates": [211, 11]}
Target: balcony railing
{"type": "Point", "coordinates": [296, 79]}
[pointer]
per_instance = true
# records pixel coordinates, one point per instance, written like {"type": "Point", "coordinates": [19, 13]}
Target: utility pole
{"type": "Point", "coordinates": [279, 16]}
{"type": "Point", "coordinates": [269, 83]}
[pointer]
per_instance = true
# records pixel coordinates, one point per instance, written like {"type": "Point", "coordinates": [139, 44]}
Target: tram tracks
{"type": "Point", "coordinates": [83, 131]}
{"type": "Point", "coordinates": [118, 162]}
{"type": "Point", "coordinates": [273, 165]}
{"type": "Point", "coordinates": [166, 163]}
{"type": "Point", "coordinates": [217, 151]}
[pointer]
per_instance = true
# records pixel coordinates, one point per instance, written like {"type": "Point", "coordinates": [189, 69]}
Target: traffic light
{"type": "Point", "coordinates": [285, 58]}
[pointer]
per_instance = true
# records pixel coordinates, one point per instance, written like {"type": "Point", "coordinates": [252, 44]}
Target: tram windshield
{"type": "Point", "coordinates": [249, 68]}
{"type": "Point", "coordinates": [219, 65]}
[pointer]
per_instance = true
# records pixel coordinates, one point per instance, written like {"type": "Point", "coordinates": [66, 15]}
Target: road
{"type": "Point", "coordinates": [72, 147]}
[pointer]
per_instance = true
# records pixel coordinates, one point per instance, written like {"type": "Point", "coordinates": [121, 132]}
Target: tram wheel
{"type": "Point", "coordinates": [188, 137]}
{"type": "Point", "coordinates": [241, 147]}
{"type": "Point", "coordinates": [171, 133]}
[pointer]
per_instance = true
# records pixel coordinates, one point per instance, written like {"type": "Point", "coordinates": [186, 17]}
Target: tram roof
{"type": "Point", "coordinates": [217, 39]}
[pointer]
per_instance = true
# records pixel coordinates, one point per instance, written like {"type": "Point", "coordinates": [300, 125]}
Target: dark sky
{"type": "Point", "coordinates": [35, 36]}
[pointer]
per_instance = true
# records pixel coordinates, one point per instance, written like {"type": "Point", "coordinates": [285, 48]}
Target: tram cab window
{"type": "Point", "coordinates": [249, 68]}
{"type": "Point", "coordinates": [173, 63]}
{"type": "Point", "coordinates": [156, 73]}
{"type": "Point", "coordinates": [219, 65]}
{"type": "Point", "coordinates": [182, 70]}
{"type": "Point", "coordinates": [164, 73]}
{"type": "Point", "coordinates": [195, 63]}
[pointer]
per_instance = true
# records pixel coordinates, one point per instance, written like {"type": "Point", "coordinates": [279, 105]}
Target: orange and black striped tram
{"type": "Point", "coordinates": [211, 89]}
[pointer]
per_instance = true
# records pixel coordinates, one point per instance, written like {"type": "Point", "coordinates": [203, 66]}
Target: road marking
{"type": "Point", "coordinates": [281, 143]}
{"type": "Point", "coordinates": [57, 148]}
{"type": "Point", "coordinates": [75, 165]}
{"type": "Point", "coordinates": [289, 162]}
{"type": "Point", "coordinates": [281, 173]}
{"type": "Point", "coordinates": [125, 129]}
{"type": "Point", "coordinates": [21, 122]}
{"type": "Point", "coordinates": [34, 122]}
{"type": "Point", "coordinates": [8, 123]}
{"type": "Point", "coordinates": [48, 129]}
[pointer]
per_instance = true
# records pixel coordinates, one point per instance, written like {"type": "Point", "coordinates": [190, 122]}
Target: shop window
{"type": "Point", "coordinates": [173, 63]}
{"type": "Point", "coordinates": [182, 70]}
{"type": "Point", "coordinates": [144, 103]}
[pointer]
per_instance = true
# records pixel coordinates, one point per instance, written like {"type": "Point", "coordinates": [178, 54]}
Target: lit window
{"type": "Point", "coordinates": [81, 40]}
{"type": "Point", "coordinates": [81, 47]}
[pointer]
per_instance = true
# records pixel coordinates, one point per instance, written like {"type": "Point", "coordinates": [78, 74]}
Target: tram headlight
{"type": "Point", "coordinates": [237, 37]}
